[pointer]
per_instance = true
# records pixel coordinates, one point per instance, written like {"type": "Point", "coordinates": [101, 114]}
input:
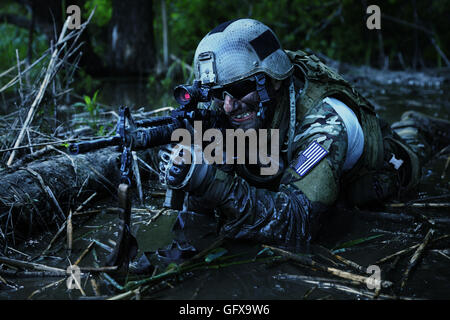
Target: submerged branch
{"type": "Point", "coordinates": [417, 254]}
{"type": "Point", "coordinates": [339, 273]}
{"type": "Point", "coordinates": [398, 253]}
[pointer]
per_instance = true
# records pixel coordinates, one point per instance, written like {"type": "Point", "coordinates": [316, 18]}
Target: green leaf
{"type": "Point", "coordinates": [87, 99]}
{"type": "Point", "coordinates": [101, 131]}
{"type": "Point", "coordinates": [94, 98]}
{"type": "Point", "coordinates": [352, 243]}
{"type": "Point", "coordinates": [79, 104]}
{"type": "Point", "coordinates": [172, 266]}
{"type": "Point", "coordinates": [216, 253]}
{"type": "Point", "coordinates": [269, 252]}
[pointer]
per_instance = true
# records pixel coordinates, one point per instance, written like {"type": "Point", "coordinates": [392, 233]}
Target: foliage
{"type": "Point", "coordinates": [91, 106]}
{"type": "Point", "coordinates": [160, 89]}
{"type": "Point", "coordinates": [86, 83]}
{"type": "Point", "coordinates": [215, 254]}
{"type": "Point", "coordinates": [343, 246]}
{"type": "Point", "coordinates": [103, 11]}
{"type": "Point", "coordinates": [13, 38]}
{"type": "Point", "coordinates": [100, 20]}
{"type": "Point", "coordinates": [334, 28]}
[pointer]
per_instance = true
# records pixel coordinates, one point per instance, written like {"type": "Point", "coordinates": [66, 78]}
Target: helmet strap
{"type": "Point", "coordinates": [263, 96]}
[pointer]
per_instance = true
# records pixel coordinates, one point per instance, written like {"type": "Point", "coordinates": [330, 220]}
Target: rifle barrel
{"type": "Point", "coordinates": [85, 146]}
{"type": "Point", "coordinates": [158, 131]}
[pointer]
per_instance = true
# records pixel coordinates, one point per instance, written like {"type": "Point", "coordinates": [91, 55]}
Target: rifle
{"type": "Point", "coordinates": [158, 132]}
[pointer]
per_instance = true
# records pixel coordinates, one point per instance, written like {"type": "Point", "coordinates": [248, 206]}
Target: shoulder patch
{"type": "Point", "coordinates": [308, 158]}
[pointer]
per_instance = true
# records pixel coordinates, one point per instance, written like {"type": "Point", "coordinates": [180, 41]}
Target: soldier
{"type": "Point", "coordinates": [333, 146]}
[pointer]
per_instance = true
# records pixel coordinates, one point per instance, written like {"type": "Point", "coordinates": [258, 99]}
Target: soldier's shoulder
{"type": "Point", "coordinates": [313, 67]}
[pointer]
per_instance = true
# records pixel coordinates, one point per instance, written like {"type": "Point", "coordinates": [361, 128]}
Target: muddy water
{"type": "Point", "coordinates": [253, 279]}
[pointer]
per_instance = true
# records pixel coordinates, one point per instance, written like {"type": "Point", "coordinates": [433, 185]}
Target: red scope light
{"type": "Point", "coordinates": [182, 95]}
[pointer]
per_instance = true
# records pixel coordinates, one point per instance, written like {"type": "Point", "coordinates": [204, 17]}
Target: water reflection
{"type": "Point", "coordinates": [252, 281]}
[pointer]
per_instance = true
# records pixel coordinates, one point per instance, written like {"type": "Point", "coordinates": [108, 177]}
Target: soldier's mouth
{"type": "Point", "coordinates": [244, 116]}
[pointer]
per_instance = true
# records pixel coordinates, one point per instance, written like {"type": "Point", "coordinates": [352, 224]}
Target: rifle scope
{"type": "Point", "coordinates": [191, 94]}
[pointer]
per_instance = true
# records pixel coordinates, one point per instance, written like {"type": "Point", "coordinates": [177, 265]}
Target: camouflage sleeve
{"type": "Point", "coordinates": [323, 125]}
{"type": "Point", "coordinates": [290, 216]}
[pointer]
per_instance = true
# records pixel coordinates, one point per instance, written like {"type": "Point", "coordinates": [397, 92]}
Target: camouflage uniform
{"type": "Point", "coordinates": [286, 209]}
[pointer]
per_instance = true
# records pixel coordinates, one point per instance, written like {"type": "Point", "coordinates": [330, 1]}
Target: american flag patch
{"type": "Point", "coordinates": [309, 158]}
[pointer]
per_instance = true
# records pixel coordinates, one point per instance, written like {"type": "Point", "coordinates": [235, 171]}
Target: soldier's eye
{"type": "Point", "coordinates": [251, 98]}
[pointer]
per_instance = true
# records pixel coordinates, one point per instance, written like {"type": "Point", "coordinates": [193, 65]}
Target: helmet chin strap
{"type": "Point", "coordinates": [265, 102]}
{"type": "Point", "coordinates": [263, 96]}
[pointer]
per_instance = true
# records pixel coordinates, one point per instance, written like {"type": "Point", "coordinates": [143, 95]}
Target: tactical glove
{"type": "Point", "coordinates": [138, 138]}
{"type": "Point", "coordinates": [183, 168]}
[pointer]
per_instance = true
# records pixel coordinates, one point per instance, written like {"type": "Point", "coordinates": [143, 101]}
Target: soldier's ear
{"type": "Point", "coordinates": [276, 84]}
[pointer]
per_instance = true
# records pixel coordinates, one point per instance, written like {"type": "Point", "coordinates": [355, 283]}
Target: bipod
{"type": "Point", "coordinates": [126, 247]}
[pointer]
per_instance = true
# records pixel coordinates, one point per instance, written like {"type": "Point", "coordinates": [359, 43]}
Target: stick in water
{"type": "Point", "coordinates": [339, 273]}
{"type": "Point", "coordinates": [417, 254]}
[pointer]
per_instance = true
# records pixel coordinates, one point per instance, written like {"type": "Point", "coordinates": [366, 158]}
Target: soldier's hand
{"type": "Point", "coordinates": [136, 137]}
{"type": "Point", "coordinates": [181, 168]}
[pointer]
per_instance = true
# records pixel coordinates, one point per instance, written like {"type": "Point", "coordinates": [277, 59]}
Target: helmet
{"type": "Point", "coordinates": [238, 49]}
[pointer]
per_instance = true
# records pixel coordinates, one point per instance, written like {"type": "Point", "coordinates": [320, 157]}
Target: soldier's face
{"type": "Point", "coordinates": [242, 112]}
{"type": "Point", "coordinates": [240, 103]}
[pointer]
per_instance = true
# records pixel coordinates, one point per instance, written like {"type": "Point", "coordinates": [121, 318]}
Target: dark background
{"type": "Point", "coordinates": [141, 37]}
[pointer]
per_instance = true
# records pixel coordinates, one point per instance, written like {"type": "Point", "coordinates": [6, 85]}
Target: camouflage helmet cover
{"type": "Point", "coordinates": [238, 49]}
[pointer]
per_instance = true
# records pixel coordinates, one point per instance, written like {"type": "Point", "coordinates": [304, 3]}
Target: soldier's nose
{"type": "Point", "coordinates": [229, 104]}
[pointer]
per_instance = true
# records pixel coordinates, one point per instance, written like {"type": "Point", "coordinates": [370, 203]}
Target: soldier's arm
{"type": "Point", "coordinates": [290, 215]}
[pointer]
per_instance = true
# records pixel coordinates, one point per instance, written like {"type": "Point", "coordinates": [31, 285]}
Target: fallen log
{"type": "Point", "coordinates": [33, 197]}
